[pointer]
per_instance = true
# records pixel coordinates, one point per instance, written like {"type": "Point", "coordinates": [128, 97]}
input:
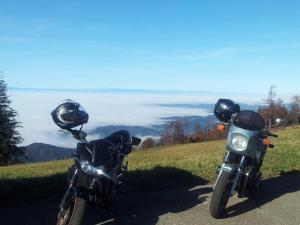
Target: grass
{"type": "Point", "coordinates": [199, 160]}
{"type": "Point", "coordinates": [159, 167]}
{"type": "Point", "coordinates": [285, 157]}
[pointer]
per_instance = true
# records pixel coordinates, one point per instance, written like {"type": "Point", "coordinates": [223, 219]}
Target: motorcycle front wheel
{"type": "Point", "coordinates": [220, 195]}
{"type": "Point", "coordinates": [73, 215]}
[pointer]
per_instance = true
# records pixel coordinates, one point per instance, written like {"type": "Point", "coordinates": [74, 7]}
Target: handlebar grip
{"type": "Point", "coordinates": [136, 141]}
{"type": "Point", "coordinates": [273, 135]}
{"type": "Point", "coordinates": [271, 146]}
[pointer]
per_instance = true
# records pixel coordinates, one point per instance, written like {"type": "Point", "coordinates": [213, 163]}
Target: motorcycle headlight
{"type": "Point", "coordinates": [89, 169]}
{"type": "Point", "coordinates": [239, 142]}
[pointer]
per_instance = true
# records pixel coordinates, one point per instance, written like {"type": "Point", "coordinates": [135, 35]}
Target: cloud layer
{"type": "Point", "coordinates": [142, 109]}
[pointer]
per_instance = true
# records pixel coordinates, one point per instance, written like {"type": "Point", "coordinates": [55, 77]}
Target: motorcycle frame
{"type": "Point", "coordinates": [235, 162]}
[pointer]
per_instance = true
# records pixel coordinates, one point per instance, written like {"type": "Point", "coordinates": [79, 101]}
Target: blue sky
{"type": "Point", "coordinates": [228, 46]}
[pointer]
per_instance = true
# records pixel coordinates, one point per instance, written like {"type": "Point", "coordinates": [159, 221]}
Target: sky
{"type": "Point", "coordinates": [226, 46]}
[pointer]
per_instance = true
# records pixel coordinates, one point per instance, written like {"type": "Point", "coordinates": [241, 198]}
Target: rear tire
{"type": "Point", "coordinates": [220, 195]}
{"type": "Point", "coordinates": [74, 214]}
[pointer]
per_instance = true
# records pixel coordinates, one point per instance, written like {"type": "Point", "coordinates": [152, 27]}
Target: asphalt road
{"type": "Point", "coordinates": [278, 204]}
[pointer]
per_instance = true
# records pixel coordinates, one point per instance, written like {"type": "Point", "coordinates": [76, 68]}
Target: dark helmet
{"type": "Point", "coordinates": [69, 114]}
{"type": "Point", "coordinates": [225, 108]}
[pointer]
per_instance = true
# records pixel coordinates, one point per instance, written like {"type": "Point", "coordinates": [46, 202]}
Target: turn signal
{"type": "Point", "coordinates": [266, 141]}
{"type": "Point", "coordinates": [220, 127]}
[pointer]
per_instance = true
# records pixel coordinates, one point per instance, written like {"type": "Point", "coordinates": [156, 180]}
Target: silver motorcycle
{"type": "Point", "coordinates": [247, 143]}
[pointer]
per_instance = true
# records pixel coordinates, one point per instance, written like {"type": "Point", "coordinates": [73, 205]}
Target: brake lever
{"type": "Point", "coordinates": [74, 155]}
{"type": "Point", "coordinates": [63, 131]}
{"type": "Point", "coordinates": [268, 133]}
{"type": "Point", "coordinates": [124, 166]}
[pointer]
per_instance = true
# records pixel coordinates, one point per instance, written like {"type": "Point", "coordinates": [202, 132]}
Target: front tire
{"type": "Point", "coordinates": [220, 195]}
{"type": "Point", "coordinates": [73, 215]}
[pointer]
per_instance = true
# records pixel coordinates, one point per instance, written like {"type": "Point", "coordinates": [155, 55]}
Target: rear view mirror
{"type": "Point", "coordinates": [136, 141]}
{"type": "Point", "coordinates": [278, 122]}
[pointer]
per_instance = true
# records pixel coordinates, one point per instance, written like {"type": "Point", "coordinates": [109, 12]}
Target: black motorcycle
{"type": "Point", "coordinates": [97, 168]}
{"type": "Point", "coordinates": [247, 143]}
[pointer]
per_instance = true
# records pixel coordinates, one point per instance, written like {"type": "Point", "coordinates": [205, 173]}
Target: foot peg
{"type": "Point", "coordinates": [218, 170]}
{"type": "Point", "coordinates": [124, 167]}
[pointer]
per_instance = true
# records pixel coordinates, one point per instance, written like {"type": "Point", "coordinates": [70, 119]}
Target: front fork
{"type": "Point", "coordinates": [238, 175]}
{"type": "Point", "coordinates": [224, 168]}
{"type": "Point", "coordinates": [235, 170]}
{"type": "Point", "coordinates": [69, 193]}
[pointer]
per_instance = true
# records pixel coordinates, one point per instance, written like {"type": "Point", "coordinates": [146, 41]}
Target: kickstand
{"type": "Point", "coordinates": [110, 210]}
{"type": "Point", "coordinates": [253, 198]}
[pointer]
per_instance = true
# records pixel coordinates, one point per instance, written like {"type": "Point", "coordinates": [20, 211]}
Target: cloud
{"type": "Point", "coordinates": [22, 31]}
{"type": "Point", "coordinates": [28, 28]}
{"type": "Point", "coordinates": [217, 54]}
{"type": "Point", "coordinates": [228, 53]}
{"type": "Point", "coordinates": [15, 39]}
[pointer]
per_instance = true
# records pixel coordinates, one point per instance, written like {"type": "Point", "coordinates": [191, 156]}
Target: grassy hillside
{"type": "Point", "coordinates": [156, 168]}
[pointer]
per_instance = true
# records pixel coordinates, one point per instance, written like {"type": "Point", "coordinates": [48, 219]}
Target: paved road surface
{"type": "Point", "coordinates": [279, 204]}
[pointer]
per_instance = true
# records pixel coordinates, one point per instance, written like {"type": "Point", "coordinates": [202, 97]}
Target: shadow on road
{"type": "Point", "coordinates": [164, 190]}
{"type": "Point", "coordinates": [17, 192]}
{"type": "Point", "coordinates": [146, 195]}
{"type": "Point", "coordinates": [271, 189]}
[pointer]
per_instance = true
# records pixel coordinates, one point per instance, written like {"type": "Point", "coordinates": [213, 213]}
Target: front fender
{"type": "Point", "coordinates": [70, 194]}
{"type": "Point", "coordinates": [80, 193]}
{"type": "Point", "coordinates": [226, 168]}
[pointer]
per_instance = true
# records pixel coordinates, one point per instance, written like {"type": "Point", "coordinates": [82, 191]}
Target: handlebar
{"type": "Point", "coordinates": [136, 141]}
{"type": "Point", "coordinates": [116, 138]}
{"type": "Point", "coordinates": [272, 135]}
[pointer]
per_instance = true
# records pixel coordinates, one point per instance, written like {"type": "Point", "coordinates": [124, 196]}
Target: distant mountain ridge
{"type": "Point", "coordinates": [156, 130]}
{"type": "Point", "coordinates": [141, 131]}
{"type": "Point", "coordinates": [40, 152]}
{"type": "Point", "coordinates": [124, 90]}
{"type": "Point", "coordinates": [209, 107]}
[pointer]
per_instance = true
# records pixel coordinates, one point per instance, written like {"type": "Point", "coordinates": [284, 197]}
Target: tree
{"type": "Point", "coordinates": [173, 133]}
{"type": "Point", "coordinates": [294, 116]}
{"type": "Point", "coordinates": [207, 128]}
{"type": "Point", "coordinates": [271, 96]}
{"type": "Point", "coordinates": [178, 133]}
{"type": "Point", "coordinates": [280, 111]}
{"type": "Point", "coordinates": [273, 108]}
{"type": "Point", "coordinates": [270, 101]}
{"type": "Point", "coordinates": [148, 143]}
{"type": "Point", "coordinates": [198, 132]}
{"type": "Point", "coordinates": [9, 136]}
{"type": "Point", "coordinates": [186, 126]}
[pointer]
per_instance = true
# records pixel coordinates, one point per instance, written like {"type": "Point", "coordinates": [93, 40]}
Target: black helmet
{"type": "Point", "coordinates": [225, 108]}
{"type": "Point", "coordinates": [69, 114]}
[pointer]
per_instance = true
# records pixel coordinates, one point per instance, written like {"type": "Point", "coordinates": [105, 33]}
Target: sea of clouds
{"type": "Point", "coordinates": [106, 108]}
